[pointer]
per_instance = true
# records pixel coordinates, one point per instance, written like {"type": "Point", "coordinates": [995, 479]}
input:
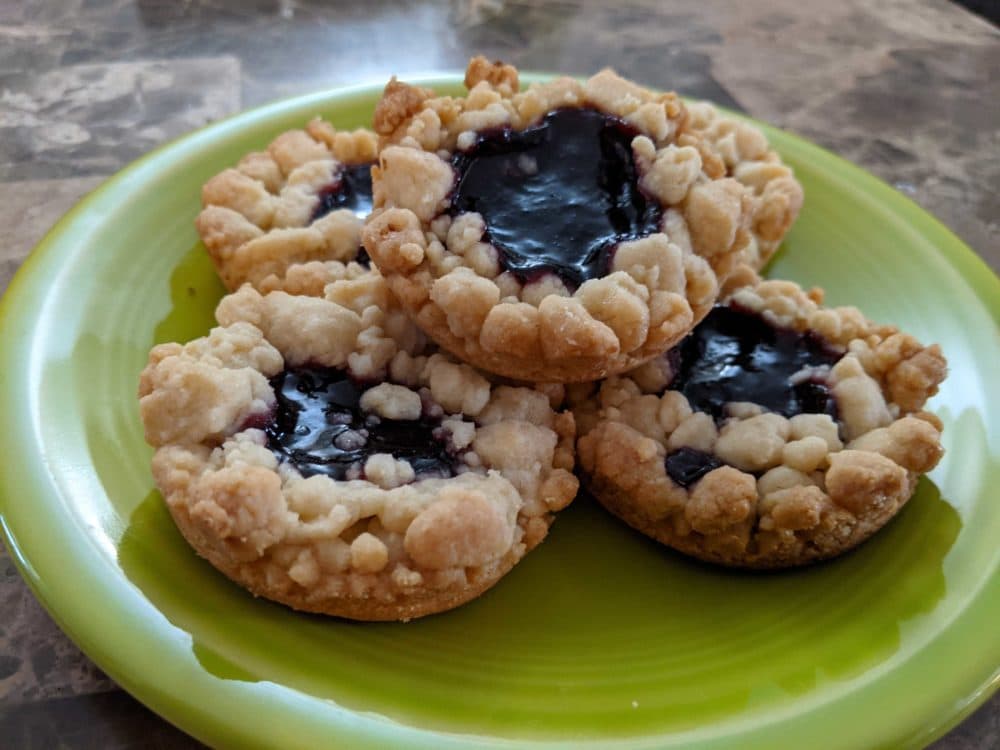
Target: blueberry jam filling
{"type": "Point", "coordinates": [687, 465]}
{"type": "Point", "coordinates": [736, 355]}
{"type": "Point", "coordinates": [363, 258]}
{"type": "Point", "coordinates": [352, 189]}
{"type": "Point", "coordinates": [557, 197]}
{"type": "Point", "coordinates": [318, 426]}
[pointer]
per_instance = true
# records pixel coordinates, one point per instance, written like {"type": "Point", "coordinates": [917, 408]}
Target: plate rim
{"type": "Point", "coordinates": [18, 304]}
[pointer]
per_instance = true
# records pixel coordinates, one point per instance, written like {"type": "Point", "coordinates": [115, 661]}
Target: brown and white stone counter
{"type": "Point", "coordinates": [909, 89]}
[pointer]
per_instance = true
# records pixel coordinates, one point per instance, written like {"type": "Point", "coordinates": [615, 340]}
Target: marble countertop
{"type": "Point", "coordinates": [906, 88]}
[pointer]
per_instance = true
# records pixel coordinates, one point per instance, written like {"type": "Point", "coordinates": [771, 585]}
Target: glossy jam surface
{"type": "Point", "coordinates": [559, 196]}
{"type": "Point", "coordinates": [320, 428]}
{"type": "Point", "coordinates": [363, 258]}
{"type": "Point", "coordinates": [735, 355]}
{"type": "Point", "coordinates": [687, 465]}
{"type": "Point", "coordinates": [352, 189]}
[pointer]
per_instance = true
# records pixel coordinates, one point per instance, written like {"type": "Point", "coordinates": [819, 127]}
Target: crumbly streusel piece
{"type": "Point", "coordinates": [472, 231]}
{"type": "Point", "coordinates": [304, 199]}
{"type": "Point", "coordinates": [779, 433]}
{"type": "Point", "coordinates": [730, 147]}
{"type": "Point", "coordinates": [318, 453]}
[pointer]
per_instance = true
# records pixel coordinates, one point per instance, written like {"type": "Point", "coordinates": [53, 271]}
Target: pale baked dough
{"type": "Point", "coordinates": [452, 281]}
{"type": "Point", "coordinates": [257, 218]}
{"type": "Point", "coordinates": [391, 546]}
{"type": "Point", "coordinates": [731, 147]}
{"type": "Point", "coordinates": [790, 491]}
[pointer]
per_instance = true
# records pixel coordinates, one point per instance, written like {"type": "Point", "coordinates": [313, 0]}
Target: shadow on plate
{"type": "Point", "coordinates": [617, 631]}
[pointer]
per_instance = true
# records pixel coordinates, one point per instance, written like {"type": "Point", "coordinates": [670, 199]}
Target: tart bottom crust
{"type": "Point", "coordinates": [620, 504]}
{"type": "Point", "coordinates": [536, 368]}
{"type": "Point", "coordinates": [402, 606]}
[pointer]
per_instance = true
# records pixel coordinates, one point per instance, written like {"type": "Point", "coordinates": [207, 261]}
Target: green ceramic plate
{"type": "Point", "coordinates": [599, 638]}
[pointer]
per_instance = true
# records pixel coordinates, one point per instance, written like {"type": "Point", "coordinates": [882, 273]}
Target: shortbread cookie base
{"type": "Point", "coordinates": [397, 607]}
{"type": "Point", "coordinates": [535, 368]}
{"type": "Point", "coordinates": [832, 529]}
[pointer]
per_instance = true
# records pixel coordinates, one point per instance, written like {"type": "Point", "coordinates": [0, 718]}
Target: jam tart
{"type": "Point", "coordinates": [301, 202]}
{"type": "Point", "coordinates": [320, 453]}
{"type": "Point", "coordinates": [560, 234]}
{"type": "Point", "coordinates": [778, 433]}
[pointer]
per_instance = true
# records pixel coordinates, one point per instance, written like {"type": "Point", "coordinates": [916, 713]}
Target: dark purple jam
{"type": "Point", "coordinates": [559, 196]}
{"type": "Point", "coordinates": [363, 258]}
{"type": "Point", "coordinates": [351, 189]}
{"type": "Point", "coordinates": [687, 465]}
{"type": "Point", "coordinates": [319, 427]}
{"type": "Point", "coordinates": [735, 355]}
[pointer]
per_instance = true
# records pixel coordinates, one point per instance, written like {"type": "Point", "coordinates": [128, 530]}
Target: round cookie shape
{"type": "Point", "coordinates": [559, 234]}
{"type": "Point", "coordinates": [320, 454]}
{"type": "Point", "coordinates": [823, 456]}
{"type": "Point", "coordinates": [730, 147]}
{"type": "Point", "coordinates": [302, 201]}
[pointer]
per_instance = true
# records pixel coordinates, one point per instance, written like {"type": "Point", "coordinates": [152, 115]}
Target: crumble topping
{"type": "Point", "coordinates": [730, 147]}
{"type": "Point", "coordinates": [302, 200]}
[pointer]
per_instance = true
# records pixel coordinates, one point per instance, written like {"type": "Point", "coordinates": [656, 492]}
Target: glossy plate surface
{"type": "Point", "coordinates": [599, 637]}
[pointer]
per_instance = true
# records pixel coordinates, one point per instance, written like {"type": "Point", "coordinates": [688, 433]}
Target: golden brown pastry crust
{"type": "Point", "coordinates": [452, 281]}
{"type": "Point", "coordinates": [790, 491]}
{"type": "Point", "coordinates": [259, 580]}
{"type": "Point", "coordinates": [390, 545]}
{"type": "Point", "coordinates": [731, 147]}
{"type": "Point", "coordinates": [256, 219]}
